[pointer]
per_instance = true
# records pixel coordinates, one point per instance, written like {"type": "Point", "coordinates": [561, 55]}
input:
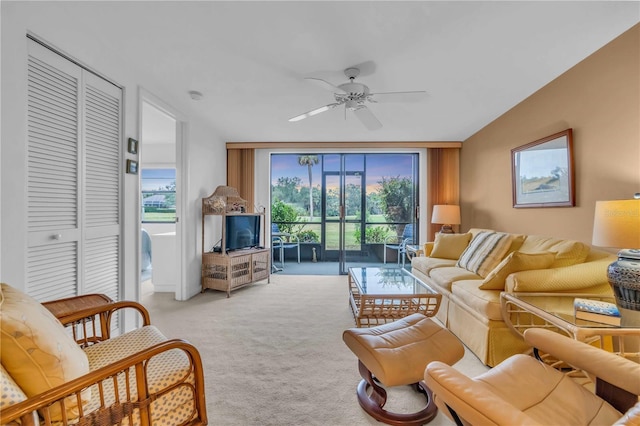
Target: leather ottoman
{"type": "Point", "coordinates": [397, 354]}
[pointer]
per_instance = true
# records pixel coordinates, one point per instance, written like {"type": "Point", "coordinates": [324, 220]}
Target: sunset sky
{"type": "Point", "coordinates": [377, 165]}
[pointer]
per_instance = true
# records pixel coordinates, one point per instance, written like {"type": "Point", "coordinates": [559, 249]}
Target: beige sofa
{"type": "Point", "coordinates": [471, 270]}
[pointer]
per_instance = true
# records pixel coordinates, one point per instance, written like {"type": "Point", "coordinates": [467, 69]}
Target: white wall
{"type": "Point", "coordinates": [55, 23]}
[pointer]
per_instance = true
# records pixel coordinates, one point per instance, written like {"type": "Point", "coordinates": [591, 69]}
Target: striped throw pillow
{"type": "Point", "coordinates": [485, 251]}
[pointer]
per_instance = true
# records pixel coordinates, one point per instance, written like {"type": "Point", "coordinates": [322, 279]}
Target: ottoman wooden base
{"type": "Point", "coordinates": [372, 397]}
{"type": "Point", "coordinates": [397, 354]}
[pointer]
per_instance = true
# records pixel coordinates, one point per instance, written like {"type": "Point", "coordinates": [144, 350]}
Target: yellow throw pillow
{"type": "Point", "coordinates": [450, 246]}
{"type": "Point", "coordinates": [36, 350]}
{"type": "Point", "coordinates": [568, 252]}
{"type": "Point", "coordinates": [11, 392]}
{"type": "Point", "coordinates": [515, 262]}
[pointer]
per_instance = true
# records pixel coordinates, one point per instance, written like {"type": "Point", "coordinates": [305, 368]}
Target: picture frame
{"type": "Point", "coordinates": [543, 173]}
{"type": "Point", "coordinates": [132, 167]}
{"type": "Point", "coordinates": [132, 146]}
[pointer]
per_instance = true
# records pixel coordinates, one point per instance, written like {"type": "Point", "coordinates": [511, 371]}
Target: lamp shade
{"type": "Point", "coordinates": [446, 214]}
{"type": "Point", "coordinates": [617, 224]}
{"type": "Point", "coordinates": [226, 191]}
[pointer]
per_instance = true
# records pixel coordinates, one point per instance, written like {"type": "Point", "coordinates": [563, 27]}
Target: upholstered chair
{"type": "Point", "coordinates": [591, 386]}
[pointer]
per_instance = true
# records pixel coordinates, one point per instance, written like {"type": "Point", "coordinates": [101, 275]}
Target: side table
{"type": "Point", "coordinates": [553, 311]}
{"type": "Point", "coordinates": [414, 250]}
{"type": "Point", "coordinates": [86, 329]}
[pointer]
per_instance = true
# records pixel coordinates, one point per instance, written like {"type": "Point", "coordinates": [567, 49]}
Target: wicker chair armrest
{"type": "Point", "coordinates": [90, 315]}
{"type": "Point", "coordinates": [138, 363]}
{"type": "Point", "coordinates": [107, 311]}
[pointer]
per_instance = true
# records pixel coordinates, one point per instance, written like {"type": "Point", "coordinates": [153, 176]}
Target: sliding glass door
{"type": "Point", "coordinates": [349, 205]}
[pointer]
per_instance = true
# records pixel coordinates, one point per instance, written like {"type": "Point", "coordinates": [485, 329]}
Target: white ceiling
{"type": "Point", "coordinates": [476, 60]}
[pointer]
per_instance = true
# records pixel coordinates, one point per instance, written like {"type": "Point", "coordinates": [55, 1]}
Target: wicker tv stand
{"type": "Point", "coordinates": [230, 270]}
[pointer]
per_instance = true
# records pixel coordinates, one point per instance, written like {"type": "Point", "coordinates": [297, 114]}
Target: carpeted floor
{"type": "Point", "coordinates": [273, 353]}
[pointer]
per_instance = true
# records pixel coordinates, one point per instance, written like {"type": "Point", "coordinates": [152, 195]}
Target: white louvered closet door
{"type": "Point", "coordinates": [74, 134]}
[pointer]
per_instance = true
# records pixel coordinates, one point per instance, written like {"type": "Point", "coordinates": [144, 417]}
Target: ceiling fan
{"type": "Point", "coordinates": [354, 96]}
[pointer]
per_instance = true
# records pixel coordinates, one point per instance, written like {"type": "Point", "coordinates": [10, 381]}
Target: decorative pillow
{"type": "Point", "coordinates": [10, 392]}
{"type": "Point", "coordinates": [515, 262]}
{"type": "Point", "coordinates": [568, 252]}
{"type": "Point", "coordinates": [36, 350]}
{"type": "Point", "coordinates": [450, 246]}
{"type": "Point", "coordinates": [484, 252]}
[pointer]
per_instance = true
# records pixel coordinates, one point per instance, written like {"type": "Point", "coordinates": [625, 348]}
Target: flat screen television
{"type": "Point", "coordinates": [242, 232]}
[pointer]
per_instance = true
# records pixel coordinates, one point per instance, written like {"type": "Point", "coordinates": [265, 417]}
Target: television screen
{"type": "Point", "coordinates": [242, 231]}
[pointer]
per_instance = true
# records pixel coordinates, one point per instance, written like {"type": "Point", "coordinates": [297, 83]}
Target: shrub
{"type": "Point", "coordinates": [282, 213]}
{"type": "Point", "coordinates": [308, 236]}
{"type": "Point", "coordinates": [373, 234]}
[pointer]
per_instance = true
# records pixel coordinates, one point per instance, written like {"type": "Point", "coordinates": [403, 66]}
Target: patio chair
{"type": "Point", "coordinates": [282, 241]}
{"type": "Point", "coordinates": [399, 243]}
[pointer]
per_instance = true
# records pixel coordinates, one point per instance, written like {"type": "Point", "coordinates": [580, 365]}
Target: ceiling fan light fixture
{"type": "Point", "coordinates": [354, 95]}
{"type": "Point", "coordinates": [351, 105]}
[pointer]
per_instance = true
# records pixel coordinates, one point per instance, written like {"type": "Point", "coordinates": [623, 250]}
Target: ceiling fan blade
{"type": "Point", "coordinates": [367, 118]}
{"type": "Point", "coordinates": [325, 85]}
{"type": "Point", "coordinates": [366, 68]}
{"type": "Point", "coordinates": [314, 112]}
{"type": "Point", "coordinates": [413, 96]}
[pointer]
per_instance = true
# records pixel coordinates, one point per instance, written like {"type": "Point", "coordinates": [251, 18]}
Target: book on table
{"type": "Point", "coordinates": [596, 311]}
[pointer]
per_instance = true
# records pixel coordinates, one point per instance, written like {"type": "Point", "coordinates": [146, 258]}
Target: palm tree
{"type": "Point", "coordinates": [309, 161]}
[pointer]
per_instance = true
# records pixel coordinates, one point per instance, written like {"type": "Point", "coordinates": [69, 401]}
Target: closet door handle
{"type": "Point", "coordinates": [56, 237]}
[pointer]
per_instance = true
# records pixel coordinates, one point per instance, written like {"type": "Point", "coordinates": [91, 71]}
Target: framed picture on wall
{"type": "Point", "coordinates": [132, 167]}
{"type": "Point", "coordinates": [132, 146]}
{"type": "Point", "coordinates": [543, 172]}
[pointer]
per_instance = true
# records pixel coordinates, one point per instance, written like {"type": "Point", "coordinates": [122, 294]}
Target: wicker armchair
{"type": "Point", "coordinates": [137, 378]}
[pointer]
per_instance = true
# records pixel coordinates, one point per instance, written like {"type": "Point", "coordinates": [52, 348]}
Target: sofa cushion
{"type": "Point", "coordinates": [587, 277]}
{"type": "Point", "coordinates": [450, 246]}
{"type": "Point", "coordinates": [444, 277]}
{"type": "Point", "coordinates": [174, 407]}
{"type": "Point", "coordinates": [486, 303]}
{"type": "Point", "coordinates": [515, 262]}
{"type": "Point", "coordinates": [426, 264]}
{"type": "Point", "coordinates": [36, 350]}
{"type": "Point", "coordinates": [568, 252]}
{"type": "Point", "coordinates": [484, 252]}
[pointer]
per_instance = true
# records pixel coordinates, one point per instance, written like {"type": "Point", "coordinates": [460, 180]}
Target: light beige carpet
{"type": "Point", "coordinates": [273, 353]}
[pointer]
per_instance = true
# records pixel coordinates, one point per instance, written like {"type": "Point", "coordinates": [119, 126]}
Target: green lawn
{"type": "Point", "coordinates": [159, 217]}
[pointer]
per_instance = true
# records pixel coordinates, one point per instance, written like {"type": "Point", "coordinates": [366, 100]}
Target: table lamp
{"type": "Point", "coordinates": [229, 198]}
{"type": "Point", "coordinates": [617, 224]}
{"type": "Point", "coordinates": [446, 215]}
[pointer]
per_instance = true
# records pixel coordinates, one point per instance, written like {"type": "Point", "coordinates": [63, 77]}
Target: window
{"type": "Point", "coordinates": [158, 195]}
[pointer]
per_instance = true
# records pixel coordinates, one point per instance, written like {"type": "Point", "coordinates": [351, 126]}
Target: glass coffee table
{"type": "Point", "coordinates": [381, 295]}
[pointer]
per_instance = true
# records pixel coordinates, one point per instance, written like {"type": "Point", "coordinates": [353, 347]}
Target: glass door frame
{"type": "Point", "coordinates": [342, 219]}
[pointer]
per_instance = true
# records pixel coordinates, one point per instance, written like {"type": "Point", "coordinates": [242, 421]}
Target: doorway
{"type": "Point", "coordinates": [160, 196]}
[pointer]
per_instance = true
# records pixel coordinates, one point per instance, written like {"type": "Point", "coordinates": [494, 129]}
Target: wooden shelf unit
{"type": "Point", "coordinates": [227, 271]}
